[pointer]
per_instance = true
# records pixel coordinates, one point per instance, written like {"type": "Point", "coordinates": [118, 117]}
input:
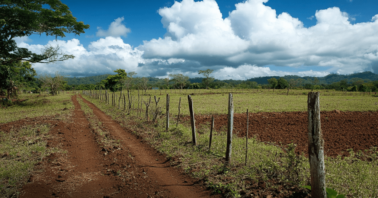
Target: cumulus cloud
{"type": "Point", "coordinates": [115, 29]}
{"type": "Point", "coordinates": [255, 34]}
{"type": "Point", "coordinates": [102, 57]}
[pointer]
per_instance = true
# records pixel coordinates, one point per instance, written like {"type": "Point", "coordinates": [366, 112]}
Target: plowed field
{"type": "Point", "coordinates": [341, 130]}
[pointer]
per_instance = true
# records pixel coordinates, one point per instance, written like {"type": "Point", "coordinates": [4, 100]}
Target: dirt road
{"type": "Point", "coordinates": [87, 170]}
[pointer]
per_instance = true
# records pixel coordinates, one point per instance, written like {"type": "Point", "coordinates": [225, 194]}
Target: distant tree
{"type": "Point", "coordinates": [207, 80]}
{"type": "Point", "coordinates": [52, 83]}
{"type": "Point", "coordinates": [179, 79]}
{"type": "Point", "coordinates": [144, 84]}
{"type": "Point", "coordinates": [315, 81]}
{"type": "Point", "coordinates": [166, 81]}
{"type": "Point", "coordinates": [129, 81]}
{"type": "Point", "coordinates": [282, 83]}
{"type": "Point", "coordinates": [273, 83]}
{"type": "Point", "coordinates": [113, 81]}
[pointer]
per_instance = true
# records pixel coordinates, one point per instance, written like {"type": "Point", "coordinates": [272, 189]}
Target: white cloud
{"type": "Point", "coordinates": [102, 57]}
{"type": "Point", "coordinates": [254, 34]}
{"type": "Point", "coordinates": [116, 29]}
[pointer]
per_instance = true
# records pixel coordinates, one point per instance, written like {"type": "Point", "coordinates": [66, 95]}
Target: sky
{"type": "Point", "coordinates": [238, 39]}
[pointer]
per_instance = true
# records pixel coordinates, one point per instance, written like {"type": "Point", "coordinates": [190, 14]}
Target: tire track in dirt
{"type": "Point", "coordinates": [179, 184]}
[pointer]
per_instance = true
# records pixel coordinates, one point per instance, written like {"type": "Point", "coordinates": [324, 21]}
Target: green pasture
{"type": "Point", "coordinates": [255, 100]}
{"type": "Point", "coordinates": [35, 105]}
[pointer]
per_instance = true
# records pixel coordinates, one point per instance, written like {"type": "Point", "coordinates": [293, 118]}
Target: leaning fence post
{"type": "Point", "coordinates": [167, 108]}
{"type": "Point", "coordinates": [230, 127]}
{"type": "Point", "coordinates": [211, 131]}
{"type": "Point", "coordinates": [246, 140]}
{"type": "Point", "coordinates": [192, 120]}
{"type": "Point", "coordinates": [316, 147]}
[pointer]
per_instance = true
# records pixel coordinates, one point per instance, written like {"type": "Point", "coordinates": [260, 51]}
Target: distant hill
{"type": "Point", "coordinates": [329, 79]}
{"type": "Point", "coordinates": [86, 80]}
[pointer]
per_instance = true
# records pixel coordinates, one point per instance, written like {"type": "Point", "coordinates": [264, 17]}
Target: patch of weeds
{"type": "Point", "coordinates": [20, 150]}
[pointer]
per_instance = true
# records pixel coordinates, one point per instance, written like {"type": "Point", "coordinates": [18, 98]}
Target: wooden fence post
{"type": "Point", "coordinates": [192, 120]}
{"type": "Point", "coordinates": [211, 132]}
{"type": "Point", "coordinates": [167, 108]}
{"type": "Point", "coordinates": [246, 140]}
{"type": "Point", "coordinates": [178, 115]}
{"type": "Point", "coordinates": [124, 102]}
{"type": "Point", "coordinates": [230, 128]}
{"type": "Point", "coordinates": [316, 147]}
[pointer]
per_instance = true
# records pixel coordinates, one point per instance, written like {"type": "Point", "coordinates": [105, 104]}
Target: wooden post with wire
{"type": "Point", "coordinates": [316, 147]}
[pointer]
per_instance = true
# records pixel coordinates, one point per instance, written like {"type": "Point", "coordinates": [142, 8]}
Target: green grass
{"type": "Point", "coordinates": [20, 150]}
{"type": "Point", "coordinates": [260, 101]}
{"type": "Point", "coordinates": [36, 106]}
{"type": "Point", "coordinates": [351, 176]}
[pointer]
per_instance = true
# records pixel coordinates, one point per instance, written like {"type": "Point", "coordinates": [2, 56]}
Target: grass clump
{"type": "Point", "coordinates": [105, 139]}
{"type": "Point", "coordinates": [20, 150]}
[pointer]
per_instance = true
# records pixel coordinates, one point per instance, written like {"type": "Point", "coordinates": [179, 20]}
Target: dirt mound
{"type": "Point", "coordinates": [341, 130]}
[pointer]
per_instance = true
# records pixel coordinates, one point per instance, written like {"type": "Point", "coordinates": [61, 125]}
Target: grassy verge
{"type": "Point", "coordinates": [102, 135]}
{"type": "Point", "coordinates": [269, 169]}
{"type": "Point", "coordinates": [37, 105]}
{"type": "Point", "coordinates": [20, 150]}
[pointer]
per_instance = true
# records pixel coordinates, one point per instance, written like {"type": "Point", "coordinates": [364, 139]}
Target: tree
{"type": "Point", "coordinates": [144, 84]}
{"type": "Point", "coordinates": [315, 81]}
{"type": "Point", "coordinates": [179, 79]}
{"type": "Point", "coordinates": [53, 83]}
{"type": "Point", "coordinates": [20, 18]}
{"type": "Point", "coordinates": [113, 81]}
{"type": "Point", "coordinates": [273, 82]}
{"type": "Point", "coordinates": [128, 82]}
{"type": "Point", "coordinates": [166, 81]}
{"type": "Point", "coordinates": [207, 80]}
{"type": "Point", "coordinates": [19, 74]}
{"type": "Point", "coordinates": [282, 83]}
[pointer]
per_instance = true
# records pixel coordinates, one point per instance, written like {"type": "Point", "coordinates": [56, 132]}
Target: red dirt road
{"type": "Point", "coordinates": [178, 184]}
{"type": "Point", "coordinates": [341, 130]}
{"type": "Point", "coordinates": [87, 170]}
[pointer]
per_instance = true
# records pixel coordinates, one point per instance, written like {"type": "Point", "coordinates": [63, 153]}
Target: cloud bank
{"type": "Point", "coordinates": [240, 46]}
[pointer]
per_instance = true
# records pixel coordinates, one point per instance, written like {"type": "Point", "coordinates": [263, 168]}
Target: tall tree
{"type": "Point", "coordinates": [273, 82]}
{"type": "Point", "coordinates": [207, 80]}
{"type": "Point", "coordinates": [20, 18]}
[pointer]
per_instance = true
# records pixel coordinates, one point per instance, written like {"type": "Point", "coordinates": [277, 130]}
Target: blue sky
{"type": "Point", "coordinates": [237, 39]}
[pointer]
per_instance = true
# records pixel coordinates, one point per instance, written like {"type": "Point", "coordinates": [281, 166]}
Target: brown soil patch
{"type": "Point", "coordinates": [341, 130]}
{"type": "Point", "coordinates": [155, 164]}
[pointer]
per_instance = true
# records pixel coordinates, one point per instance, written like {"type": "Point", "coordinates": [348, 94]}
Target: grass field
{"type": "Point", "coordinates": [215, 101]}
{"type": "Point", "coordinates": [351, 176]}
{"type": "Point", "coordinates": [25, 145]}
{"type": "Point", "coordinates": [37, 105]}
